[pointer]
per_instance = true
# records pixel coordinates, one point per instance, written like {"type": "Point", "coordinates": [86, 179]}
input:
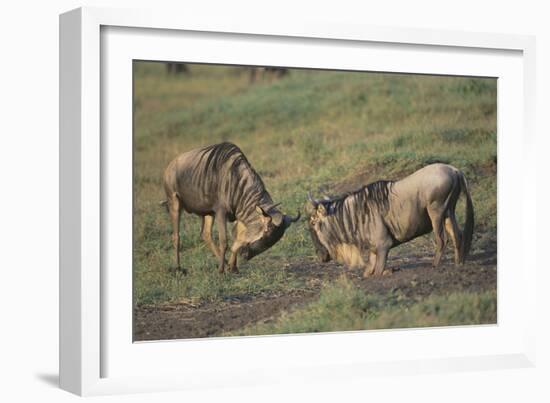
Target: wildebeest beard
{"type": "Point", "coordinates": [264, 243]}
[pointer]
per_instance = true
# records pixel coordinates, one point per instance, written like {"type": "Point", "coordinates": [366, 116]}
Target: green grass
{"type": "Point", "coordinates": [307, 131]}
{"type": "Point", "coordinates": [342, 306]}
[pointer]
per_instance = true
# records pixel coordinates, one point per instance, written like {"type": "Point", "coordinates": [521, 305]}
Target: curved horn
{"type": "Point", "coordinates": [295, 218]}
{"type": "Point", "coordinates": [289, 220]}
{"type": "Point", "coordinates": [311, 199]}
{"type": "Point", "coordinates": [273, 206]}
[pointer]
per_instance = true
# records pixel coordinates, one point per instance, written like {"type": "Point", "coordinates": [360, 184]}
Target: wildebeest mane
{"type": "Point", "coordinates": [373, 195]}
{"type": "Point", "coordinates": [351, 210]}
{"type": "Point", "coordinates": [224, 168]}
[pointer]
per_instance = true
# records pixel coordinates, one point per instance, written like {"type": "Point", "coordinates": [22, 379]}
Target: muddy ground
{"type": "Point", "coordinates": [412, 276]}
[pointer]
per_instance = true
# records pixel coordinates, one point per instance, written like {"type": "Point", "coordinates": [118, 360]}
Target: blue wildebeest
{"type": "Point", "coordinates": [266, 73]}
{"type": "Point", "coordinates": [218, 184]}
{"type": "Point", "coordinates": [384, 214]}
{"type": "Point", "coordinates": [177, 68]}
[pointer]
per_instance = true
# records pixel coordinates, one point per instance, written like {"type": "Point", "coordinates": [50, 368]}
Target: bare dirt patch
{"type": "Point", "coordinates": [413, 277]}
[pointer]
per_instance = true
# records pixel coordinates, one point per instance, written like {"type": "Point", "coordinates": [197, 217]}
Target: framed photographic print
{"type": "Point", "coordinates": [237, 197]}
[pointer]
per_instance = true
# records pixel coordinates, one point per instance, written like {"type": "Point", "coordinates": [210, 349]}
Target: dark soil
{"type": "Point", "coordinates": [412, 276]}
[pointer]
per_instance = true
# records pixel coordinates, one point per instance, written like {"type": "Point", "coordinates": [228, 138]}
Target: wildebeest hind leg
{"type": "Point", "coordinates": [439, 235]}
{"type": "Point", "coordinates": [235, 248]}
{"type": "Point", "coordinates": [454, 233]}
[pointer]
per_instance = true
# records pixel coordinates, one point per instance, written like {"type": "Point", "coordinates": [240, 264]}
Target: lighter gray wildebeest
{"type": "Point", "coordinates": [384, 214]}
{"type": "Point", "coordinates": [218, 184]}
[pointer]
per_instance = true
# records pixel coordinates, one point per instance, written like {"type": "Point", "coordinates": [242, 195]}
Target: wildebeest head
{"type": "Point", "coordinates": [317, 213]}
{"type": "Point", "coordinates": [264, 232]}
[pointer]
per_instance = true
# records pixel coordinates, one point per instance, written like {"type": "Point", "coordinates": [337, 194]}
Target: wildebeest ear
{"type": "Point", "coordinates": [321, 210]}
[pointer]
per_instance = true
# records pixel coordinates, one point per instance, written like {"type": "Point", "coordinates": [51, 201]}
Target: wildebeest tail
{"type": "Point", "coordinates": [466, 239]}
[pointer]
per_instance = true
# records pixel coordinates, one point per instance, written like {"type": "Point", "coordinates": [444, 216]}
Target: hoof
{"type": "Point", "coordinates": [368, 274]}
{"type": "Point", "coordinates": [387, 272]}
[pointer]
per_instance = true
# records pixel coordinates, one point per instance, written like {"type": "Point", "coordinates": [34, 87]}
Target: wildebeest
{"type": "Point", "coordinates": [266, 72]}
{"type": "Point", "coordinates": [177, 68]}
{"type": "Point", "coordinates": [218, 184]}
{"type": "Point", "coordinates": [384, 214]}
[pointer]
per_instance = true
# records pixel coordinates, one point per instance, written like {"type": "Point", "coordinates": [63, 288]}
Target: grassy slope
{"type": "Point", "coordinates": [342, 306]}
{"type": "Point", "coordinates": [305, 132]}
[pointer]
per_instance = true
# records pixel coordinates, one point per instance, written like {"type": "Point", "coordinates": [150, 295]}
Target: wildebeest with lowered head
{"type": "Point", "coordinates": [384, 214]}
{"type": "Point", "coordinates": [218, 184]}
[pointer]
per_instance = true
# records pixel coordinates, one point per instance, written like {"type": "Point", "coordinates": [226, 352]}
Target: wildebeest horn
{"type": "Point", "coordinates": [289, 220]}
{"type": "Point", "coordinates": [273, 206]}
{"type": "Point", "coordinates": [295, 218]}
{"type": "Point", "coordinates": [311, 199]}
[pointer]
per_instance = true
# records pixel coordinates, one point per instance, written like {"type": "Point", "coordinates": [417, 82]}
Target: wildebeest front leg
{"type": "Point", "coordinates": [206, 234]}
{"type": "Point", "coordinates": [235, 248]}
{"type": "Point", "coordinates": [381, 257]}
{"type": "Point", "coordinates": [369, 269]}
{"type": "Point", "coordinates": [175, 213]}
{"type": "Point", "coordinates": [222, 233]}
{"type": "Point", "coordinates": [240, 240]}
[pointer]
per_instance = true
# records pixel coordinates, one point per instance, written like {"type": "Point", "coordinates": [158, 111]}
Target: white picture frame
{"type": "Point", "coordinates": [96, 355]}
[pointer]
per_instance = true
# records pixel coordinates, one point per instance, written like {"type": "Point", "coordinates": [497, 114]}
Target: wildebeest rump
{"type": "Point", "coordinates": [218, 184]}
{"type": "Point", "coordinates": [384, 214]}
